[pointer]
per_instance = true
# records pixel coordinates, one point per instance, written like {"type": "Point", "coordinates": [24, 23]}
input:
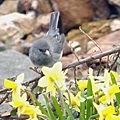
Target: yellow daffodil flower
{"type": "Point", "coordinates": [113, 117]}
{"type": "Point", "coordinates": [82, 84]}
{"type": "Point", "coordinates": [54, 77]}
{"type": "Point", "coordinates": [102, 99]}
{"type": "Point", "coordinates": [15, 85]}
{"type": "Point", "coordinates": [73, 101]}
{"type": "Point", "coordinates": [108, 110]}
{"type": "Point", "coordinates": [32, 111]}
{"type": "Point", "coordinates": [23, 107]}
{"type": "Point", "coordinates": [113, 89]}
{"type": "Point", "coordinates": [20, 102]}
{"type": "Point", "coordinates": [104, 111]}
{"type": "Point", "coordinates": [110, 93]}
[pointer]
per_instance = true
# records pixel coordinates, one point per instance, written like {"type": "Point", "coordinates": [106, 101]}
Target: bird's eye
{"type": "Point", "coordinates": [41, 50]}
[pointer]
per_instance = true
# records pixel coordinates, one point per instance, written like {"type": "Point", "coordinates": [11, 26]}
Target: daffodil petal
{"type": "Point", "coordinates": [10, 84]}
{"type": "Point", "coordinates": [50, 87]}
{"type": "Point", "coordinates": [20, 78]}
{"type": "Point", "coordinates": [57, 67]}
{"type": "Point", "coordinates": [82, 84]}
{"type": "Point", "coordinates": [43, 82]}
{"type": "Point", "coordinates": [46, 71]}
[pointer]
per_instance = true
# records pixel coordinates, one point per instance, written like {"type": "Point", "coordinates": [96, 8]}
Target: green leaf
{"type": "Point", "coordinates": [57, 108]}
{"type": "Point", "coordinates": [82, 107]}
{"type": "Point", "coordinates": [118, 98]}
{"type": "Point", "coordinates": [113, 79]}
{"type": "Point", "coordinates": [43, 110]}
{"type": "Point", "coordinates": [89, 101]}
{"type": "Point", "coordinates": [50, 112]}
{"type": "Point", "coordinates": [68, 111]}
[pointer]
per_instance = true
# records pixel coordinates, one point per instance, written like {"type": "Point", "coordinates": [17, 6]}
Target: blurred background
{"type": "Point", "coordinates": [23, 21]}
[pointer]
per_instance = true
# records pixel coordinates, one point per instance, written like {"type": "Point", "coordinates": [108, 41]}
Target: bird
{"type": "Point", "coordinates": [47, 50]}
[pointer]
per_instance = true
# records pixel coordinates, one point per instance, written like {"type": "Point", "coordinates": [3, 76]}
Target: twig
{"type": "Point", "coordinates": [74, 64]}
{"type": "Point", "coordinates": [90, 39]}
{"type": "Point", "coordinates": [98, 56]}
{"type": "Point", "coordinates": [3, 99]}
{"type": "Point", "coordinates": [96, 46]}
{"type": "Point", "coordinates": [111, 67]}
{"type": "Point", "coordinates": [100, 67]}
{"type": "Point", "coordinates": [22, 117]}
{"type": "Point", "coordinates": [72, 50]}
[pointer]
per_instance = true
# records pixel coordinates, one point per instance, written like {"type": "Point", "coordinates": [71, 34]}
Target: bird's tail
{"type": "Point", "coordinates": [53, 27]}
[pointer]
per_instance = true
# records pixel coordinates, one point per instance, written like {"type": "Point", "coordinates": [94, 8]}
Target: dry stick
{"type": "Point", "coordinates": [3, 99]}
{"type": "Point", "coordinates": [114, 61]}
{"type": "Point", "coordinates": [72, 50]}
{"type": "Point", "coordinates": [74, 67]}
{"type": "Point", "coordinates": [74, 64]}
{"type": "Point", "coordinates": [95, 44]}
{"type": "Point", "coordinates": [91, 58]}
{"type": "Point", "coordinates": [90, 39]}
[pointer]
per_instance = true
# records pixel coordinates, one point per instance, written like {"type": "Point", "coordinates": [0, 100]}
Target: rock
{"type": "Point", "coordinates": [21, 46]}
{"type": "Point", "coordinates": [5, 107]}
{"type": "Point", "coordinates": [106, 42]}
{"type": "Point", "coordinates": [15, 25]}
{"type": "Point", "coordinates": [94, 29]}
{"type": "Point", "coordinates": [116, 4]}
{"type": "Point", "coordinates": [42, 23]}
{"type": "Point", "coordinates": [2, 46]}
{"type": "Point", "coordinates": [74, 12]}
{"type": "Point", "coordinates": [101, 9]}
{"type": "Point", "coordinates": [45, 6]}
{"type": "Point", "coordinates": [115, 25]}
{"type": "Point", "coordinates": [13, 63]}
{"type": "Point", "coordinates": [8, 6]}
{"type": "Point", "coordinates": [38, 6]}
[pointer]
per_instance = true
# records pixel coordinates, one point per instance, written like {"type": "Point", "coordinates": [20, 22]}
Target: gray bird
{"type": "Point", "coordinates": [47, 50]}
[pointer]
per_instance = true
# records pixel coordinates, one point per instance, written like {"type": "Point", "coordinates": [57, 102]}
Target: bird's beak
{"type": "Point", "coordinates": [47, 53]}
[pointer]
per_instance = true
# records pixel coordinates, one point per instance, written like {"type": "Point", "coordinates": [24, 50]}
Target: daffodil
{"type": "Point", "coordinates": [20, 102]}
{"type": "Point", "coordinates": [15, 85]}
{"type": "Point", "coordinates": [109, 89]}
{"type": "Point", "coordinates": [113, 117]}
{"type": "Point", "coordinates": [73, 101]}
{"type": "Point", "coordinates": [109, 93]}
{"type": "Point", "coordinates": [95, 88]}
{"type": "Point", "coordinates": [32, 111]}
{"type": "Point", "coordinates": [82, 84]}
{"type": "Point", "coordinates": [104, 111]}
{"type": "Point", "coordinates": [102, 99]}
{"type": "Point", "coordinates": [54, 77]}
{"type": "Point", "coordinates": [23, 107]}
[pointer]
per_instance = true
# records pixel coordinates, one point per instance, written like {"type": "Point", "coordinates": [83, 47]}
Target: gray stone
{"type": "Point", "coordinates": [4, 108]}
{"type": "Point", "coordinates": [13, 63]}
{"type": "Point", "coordinates": [15, 25]}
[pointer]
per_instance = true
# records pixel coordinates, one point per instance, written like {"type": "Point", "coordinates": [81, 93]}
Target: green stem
{"type": "Point", "coordinates": [61, 100]}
